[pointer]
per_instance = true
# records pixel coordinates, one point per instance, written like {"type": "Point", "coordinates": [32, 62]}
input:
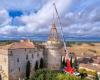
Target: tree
{"type": "Point", "coordinates": [96, 76]}
{"type": "Point", "coordinates": [71, 62]}
{"type": "Point", "coordinates": [63, 63]}
{"type": "Point", "coordinates": [41, 63]}
{"type": "Point", "coordinates": [36, 65]}
{"type": "Point", "coordinates": [28, 70]}
{"type": "Point", "coordinates": [45, 74]}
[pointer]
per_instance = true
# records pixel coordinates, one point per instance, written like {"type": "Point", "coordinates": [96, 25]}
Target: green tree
{"type": "Point", "coordinates": [36, 65]}
{"type": "Point", "coordinates": [71, 62]}
{"type": "Point", "coordinates": [41, 63]}
{"type": "Point", "coordinates": [45, 74]}
{"type": "Point", "coordinates": [96, 76]}
{"type": "Point", "coordinates": [63, 63]}
{"type": "Point", "coordinates": [28, 69]}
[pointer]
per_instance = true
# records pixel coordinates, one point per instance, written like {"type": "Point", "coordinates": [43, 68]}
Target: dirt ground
{"type": "Point", "coordinates": [85, 48]}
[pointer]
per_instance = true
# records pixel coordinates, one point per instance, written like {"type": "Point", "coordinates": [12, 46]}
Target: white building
{"type": "Point", "coordinates": [14, 58]}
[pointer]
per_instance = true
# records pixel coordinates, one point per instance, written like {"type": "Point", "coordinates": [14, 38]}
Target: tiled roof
{"type": "Point", "coordinates": [22, 44]}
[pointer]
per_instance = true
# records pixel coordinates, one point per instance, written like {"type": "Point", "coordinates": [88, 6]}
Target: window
{"type": "Point", "coordinates": [19, 69]}
{"type": "Point", "coordinates": [30, 51]}
{"type": "Point", "coordinates": [26, 57]}
{"type": "Point", "coordinates": [37, 54]}
{"type": "Point", "coordinates": [25, 49]}
{"type": "Point", "coordinates": [17, 59]}
{"type": "Point", "coordinates": [11, 70]}
{"type": "Point", "coordinates": [10, 53]}
{"type": "Point", "coordinates": [32, 56]}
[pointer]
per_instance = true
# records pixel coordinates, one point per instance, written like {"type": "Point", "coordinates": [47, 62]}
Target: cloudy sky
{"type": "Point", "coordinates": [33, 18]}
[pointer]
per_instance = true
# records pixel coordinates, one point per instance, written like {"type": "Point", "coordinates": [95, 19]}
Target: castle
{"type": "Point", "coordinates": [15, 56]}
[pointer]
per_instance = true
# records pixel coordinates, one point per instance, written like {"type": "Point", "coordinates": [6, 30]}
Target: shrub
{"type": "Point", "coordinates": [82, 71]}
{"type": "Point", "coordinates": [45, 74]}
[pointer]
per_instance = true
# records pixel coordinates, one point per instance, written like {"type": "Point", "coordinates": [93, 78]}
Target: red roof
{"type": "Point", "coordinates": [22, 44]}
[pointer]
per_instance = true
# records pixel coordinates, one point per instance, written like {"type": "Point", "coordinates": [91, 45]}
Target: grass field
{"type": "Point", "coordinates": [87, 48]}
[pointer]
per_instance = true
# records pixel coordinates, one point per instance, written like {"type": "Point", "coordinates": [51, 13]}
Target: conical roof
{"type": "Point", "coordinates": [53, 36]}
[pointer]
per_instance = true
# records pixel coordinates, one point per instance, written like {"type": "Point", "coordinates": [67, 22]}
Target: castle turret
{"type": "Point", "coordinates": [53, 46]}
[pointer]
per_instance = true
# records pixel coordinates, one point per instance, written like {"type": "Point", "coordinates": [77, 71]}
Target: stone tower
{"type": "Point", "coordinates": [53, 46]}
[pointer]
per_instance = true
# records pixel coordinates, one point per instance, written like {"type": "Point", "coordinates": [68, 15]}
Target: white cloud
{"type": "Point", "coordinates": [36, 23]}
{"type": "Point", "coordinates": [87, 29]}
{"type": "Point", "coordinates": [7, 30]}
{"type": "Point", "coordinates": [83, 18]}
{"type": "Point", "coordinates": [84, 22]}
{"type": "Point", "coordinates": [4, 17]}
{"type": "Point", "coordinates": [24, 5]}
{"type": "Point", "coordinates": [44, 16]}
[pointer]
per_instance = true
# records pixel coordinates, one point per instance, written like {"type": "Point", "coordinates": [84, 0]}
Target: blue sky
{"type": "Point", "coordinates": [32, 18]}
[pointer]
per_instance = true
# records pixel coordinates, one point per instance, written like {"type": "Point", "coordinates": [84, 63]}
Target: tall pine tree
{"type": "Point", "coordinates": [28, 70]}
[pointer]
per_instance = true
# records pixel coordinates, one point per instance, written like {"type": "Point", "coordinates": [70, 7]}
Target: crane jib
{"type": "Point", "coordinates": [62, 33]}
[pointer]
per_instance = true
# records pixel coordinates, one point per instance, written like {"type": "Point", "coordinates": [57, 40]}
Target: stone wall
{"type": "Point", "coordinates": [18, 59]}
{"type": "Point", "coordinates": [53, 55]}
{"type": "Point", "coordinates": [4, 64]}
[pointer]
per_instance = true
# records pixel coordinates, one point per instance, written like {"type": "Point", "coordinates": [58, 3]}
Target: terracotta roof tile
{"type": "Point", "coordinates": [22, 44]}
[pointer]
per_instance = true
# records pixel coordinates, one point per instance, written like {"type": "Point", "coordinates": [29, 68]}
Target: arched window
{"type": "Point", "coordinates": [37, 54]}
{"type": "Point", "coordinates": [19, 69]}
{"type": "Point", "coordinates": [17, 59]}
{"type": "Point", "coordinates": [32, 56]}
{"type": "Point", "coordinates": [27, 57]}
